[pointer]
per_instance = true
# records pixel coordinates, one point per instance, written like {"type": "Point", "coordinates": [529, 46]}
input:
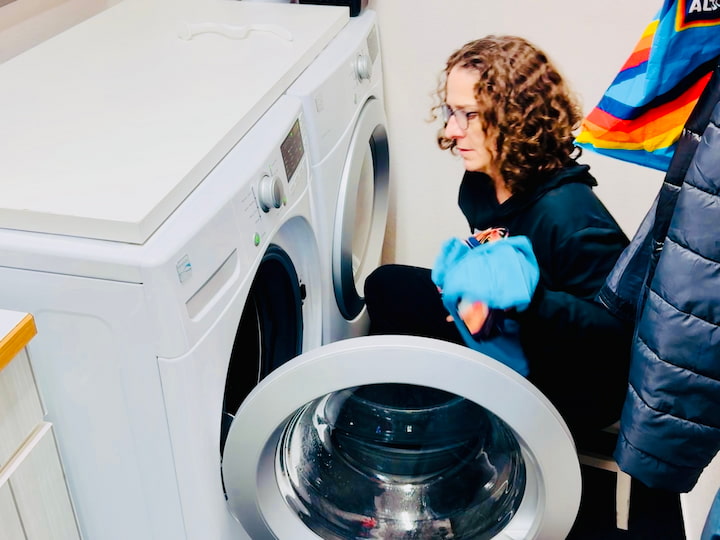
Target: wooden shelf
{"type": "Point", "coordinates": [34, 500]}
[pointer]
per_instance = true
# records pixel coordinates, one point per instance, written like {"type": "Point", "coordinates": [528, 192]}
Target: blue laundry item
{"type": "Point", "coordinates": [501, 274]}
{"type": "Point", "coordinates": [503, 347]}
{"type": "Point", "coordinates": [450, 253]}
{"type": "Point", "coordinates": [711, 530]}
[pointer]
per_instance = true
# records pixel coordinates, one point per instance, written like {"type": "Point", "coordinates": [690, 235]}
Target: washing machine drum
{"type": "Point", "coordinates": [396, 437]}
{"type": "Point", "coordinates": [396, 458]}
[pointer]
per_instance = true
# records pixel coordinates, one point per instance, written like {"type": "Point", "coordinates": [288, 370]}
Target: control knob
{"type": "Point", "coordinates": [270, 193]}
{"type": "Point", "coordinates": [363, 67]}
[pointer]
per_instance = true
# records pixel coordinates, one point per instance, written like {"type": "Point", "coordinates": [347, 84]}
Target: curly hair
{"type": "Point", "coordinates": [525, 107]}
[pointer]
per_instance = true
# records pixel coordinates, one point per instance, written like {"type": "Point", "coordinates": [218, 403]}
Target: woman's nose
{"type": "Point", "coordinates": [452, 129]}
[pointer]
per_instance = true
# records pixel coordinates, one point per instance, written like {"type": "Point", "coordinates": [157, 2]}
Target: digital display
{"type": "Point", "coordinates": [292, 150]}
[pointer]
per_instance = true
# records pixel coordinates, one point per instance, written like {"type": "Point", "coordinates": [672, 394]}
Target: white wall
{"type": "Point", "coordinates": [589, 41]}
{"type": "Point", "coordinates": [26, 23]}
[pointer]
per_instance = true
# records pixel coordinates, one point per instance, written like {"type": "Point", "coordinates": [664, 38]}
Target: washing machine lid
{"type": "Point", "coordinates": [251, 453]}
{"type": "Point", "coordinates": [108, 126]}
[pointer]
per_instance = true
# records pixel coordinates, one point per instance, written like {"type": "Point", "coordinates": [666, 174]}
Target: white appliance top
{"type": "Point", "coordinates": [107, 127]}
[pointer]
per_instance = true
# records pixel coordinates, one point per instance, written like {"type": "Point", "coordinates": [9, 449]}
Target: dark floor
{"type": "Point", "coordinates": [654, 514]}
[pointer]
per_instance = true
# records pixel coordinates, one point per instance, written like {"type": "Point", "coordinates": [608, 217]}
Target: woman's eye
{"type": "Point", "coordinates": [470, 115]}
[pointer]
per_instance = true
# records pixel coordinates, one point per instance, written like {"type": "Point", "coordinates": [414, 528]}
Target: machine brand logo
{"type": "Point", "coordinates": [184, 269]}
{"type": "Point", "coordinates": [693, 13]}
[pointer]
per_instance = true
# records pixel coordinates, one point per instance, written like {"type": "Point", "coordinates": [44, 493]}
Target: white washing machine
{"type": "Point", "coordinates": [155, 219]}
{"type": "Point", "coordinates": [144, 352]}
{"type": "Point", "coordinates": [342, 94]}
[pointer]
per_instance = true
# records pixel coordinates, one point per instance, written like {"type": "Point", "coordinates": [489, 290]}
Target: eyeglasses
{"type": "Point", "coordinates": [461, 117]}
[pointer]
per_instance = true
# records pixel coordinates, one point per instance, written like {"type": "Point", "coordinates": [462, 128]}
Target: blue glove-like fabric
{"type": "Point", "coordinates": [502, 274]}
{"type": "Point", "coordinates": [450, 253]}
{"type": "Point", "coordinates": [504, 347]}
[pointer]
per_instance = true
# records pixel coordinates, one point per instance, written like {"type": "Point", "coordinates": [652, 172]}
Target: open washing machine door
{"type": "Point", "coordinates": [398, 437]}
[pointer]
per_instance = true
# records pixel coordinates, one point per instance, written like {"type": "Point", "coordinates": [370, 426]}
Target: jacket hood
{"type": "Point", "coordinates": [478, 203]}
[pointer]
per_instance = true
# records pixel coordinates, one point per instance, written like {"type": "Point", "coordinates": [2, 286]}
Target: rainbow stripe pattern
{"type": "Point", "coordinates": [641, 115]}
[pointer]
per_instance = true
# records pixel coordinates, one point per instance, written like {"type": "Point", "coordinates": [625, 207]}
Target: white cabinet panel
{"type": "Point", "coordinates": [41, 496]}
{"type": "Point", "coordinates": [10, 526]}
{"type": "Point", "coordinates": [20, 406]}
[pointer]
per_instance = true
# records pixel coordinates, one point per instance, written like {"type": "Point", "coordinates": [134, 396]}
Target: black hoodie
{"type": "Point", "coordinates": [578, 352]}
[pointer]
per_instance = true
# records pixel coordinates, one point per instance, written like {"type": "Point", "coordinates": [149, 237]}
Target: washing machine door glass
{"type": "Point", "coordinates": [362, 209]}
{"type": "Point", "coordinates": [400, 461]}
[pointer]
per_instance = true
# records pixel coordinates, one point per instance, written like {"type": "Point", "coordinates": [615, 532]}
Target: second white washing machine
{"type": "Point", "coordinates": [342, 95]}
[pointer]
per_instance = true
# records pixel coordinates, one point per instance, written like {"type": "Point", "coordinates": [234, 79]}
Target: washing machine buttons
{"type": "Point", "coordinates": [270, 193]}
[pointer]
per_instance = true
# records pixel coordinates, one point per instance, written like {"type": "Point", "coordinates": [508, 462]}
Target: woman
{"type": "Point", "coordinates": [510, 116]}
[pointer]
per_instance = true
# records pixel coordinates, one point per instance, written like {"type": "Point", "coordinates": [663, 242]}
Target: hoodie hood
{"type": "Point", "coordinates": [479, 204]}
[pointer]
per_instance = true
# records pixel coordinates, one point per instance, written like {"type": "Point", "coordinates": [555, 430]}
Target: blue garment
{"type": "Point", "coordinates": [450, 254]}
{"type": "Point", "coordinates": [504, 345]}
{"type": "Point", "coordinates": [502, 274]}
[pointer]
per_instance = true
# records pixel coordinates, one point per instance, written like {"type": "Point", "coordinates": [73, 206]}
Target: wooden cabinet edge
{"type": "Point", "coordinates": [15, 340]}
{"type": "Point", "coordinates": [23, 451]}
{"type": "Point", "coordinates": [42, 434]}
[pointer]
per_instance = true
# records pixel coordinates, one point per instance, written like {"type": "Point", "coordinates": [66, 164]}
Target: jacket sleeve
{"type": "Point", "coordinates": [563, 309]}
{"type": "Point", "coordinates": [578, 351]}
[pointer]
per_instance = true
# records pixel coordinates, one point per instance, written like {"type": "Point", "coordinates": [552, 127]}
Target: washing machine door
{"type": "Point", "coordinates": [361, 214]}
{"type": "Point", "coordinates": [399, 437]}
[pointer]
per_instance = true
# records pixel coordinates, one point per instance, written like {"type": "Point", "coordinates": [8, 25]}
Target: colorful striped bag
{"type": "Point", "coordinates": [641, 114]}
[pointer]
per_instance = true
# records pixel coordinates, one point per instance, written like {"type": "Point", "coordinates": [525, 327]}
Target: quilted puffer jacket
{"type": "Point", "coordinates": [668, 281]}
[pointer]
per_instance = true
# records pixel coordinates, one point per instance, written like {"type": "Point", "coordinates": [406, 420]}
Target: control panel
{"type": "Point", "coordinates": [278, 184]}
